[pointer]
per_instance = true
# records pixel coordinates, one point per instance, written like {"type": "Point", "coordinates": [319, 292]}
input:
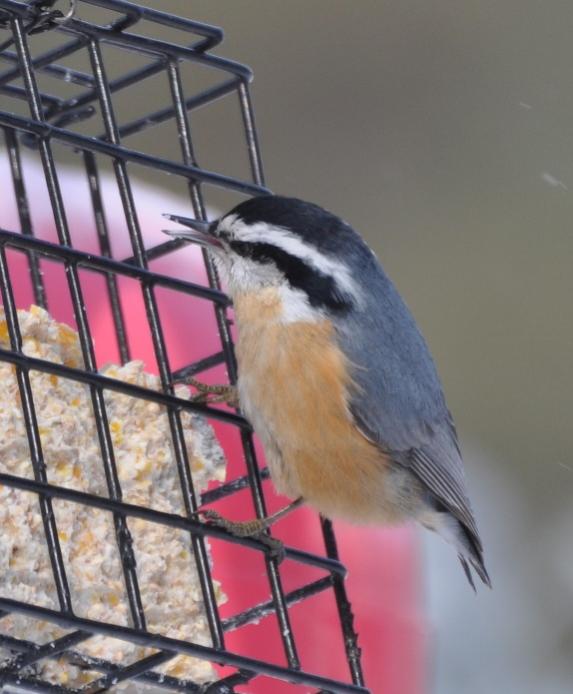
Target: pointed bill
{"type": "Point", "coordinates": [198, 231]}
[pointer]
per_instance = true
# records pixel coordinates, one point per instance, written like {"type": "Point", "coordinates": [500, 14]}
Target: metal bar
{"type": "Point", "coordinates": [227, 684]}
{"type": "Point", "coordinates": [135, 77]}
{"type": "Point", "coordinates": [44, 62]}
{"type": "Point", "coordinates": [247, 440]}
{"type": "Point", "coordinates": [87, 662]}
{"type": "Point", "coordinates": [107, 265]}
{"type": "Point", "coordinates": [67, 74]}
{"type": "Point", "coordinates": [344, 608]}
{"type": "Point", "coordinates": [53, 648]}
{"type": "Point", "coordinates": [198, 366]}
{"type": "Point", "coordinates": [154, 47]}
{"type": "Point", "coordinates": [6, 44]}
{"type": "Point", "coordinates": [30, 684]}
{"type": "Point", "coordinates": [34, 441]}
{"type": "Point", "coordinates": [142, 673]}
{"type": "Point", "coordinates": [170, 519]}
{"type": "Point", "coordinates": [213, 33]}
{"type": "Point", "coordinates": [105, 250]}
{"type": "Point", "coordinates": [135, 391]}
{"type": "Point", "coordinates": [20, 9]}
{"type": "Point", "coordinates": [123, 535]}
{"type": "Point", "coordinates": [183, 127]}
{"type": "Point", "coordinates": [20, 93]}
{"type": "Point", "coordinates": [165, 643]}
{"type": "Point", "coordinates": [224, 490]}
{"type": "Point", "coordinates": [254, 614]}
{"type": "Point", "coordinates": [248, 446]}
{"type": "Point", "coordinates": [24, 215]}
{"type": "Point", "coordinates": [179, 449]}
{"type": "Point", "coordinates": [158, 251]}
{"type": "Point", "coordinates": [258, 612]}
{"type": "Point", "coordinates": [251, 132]}
{"type": "Point", "coordinates": [143, 44]}
{"type": "Point", "coordinates": [253, 470]}
{"type": "Point", "coordinates": [193, 102]}
{"type": "Point", "coordinates": [128, 672]}
{"type": "Point", "coordinates": [45, 131]}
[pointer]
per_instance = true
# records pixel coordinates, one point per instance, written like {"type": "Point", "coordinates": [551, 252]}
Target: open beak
{"type": "Point", "coordinates": [199, 232]}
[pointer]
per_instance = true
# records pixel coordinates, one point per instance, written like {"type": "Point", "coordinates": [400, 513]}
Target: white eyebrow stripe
{"type": "Point", "coordinates": [284, 239]}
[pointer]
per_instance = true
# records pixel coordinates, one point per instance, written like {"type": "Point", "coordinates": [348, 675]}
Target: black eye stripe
{"type": "Point", "coordinates": [321, 289]}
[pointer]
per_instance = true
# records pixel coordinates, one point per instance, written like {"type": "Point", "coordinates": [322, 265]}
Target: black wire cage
{"type": "Point", "coordinates": [59, 99]}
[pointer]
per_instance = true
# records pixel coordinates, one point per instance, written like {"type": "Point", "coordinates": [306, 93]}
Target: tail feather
{"type": "Point", "coordinates": [469, 547]}
{"type": "Point", "coordinates": [467, 571]}
{"type": "Point", "coordinates": [474, 554]}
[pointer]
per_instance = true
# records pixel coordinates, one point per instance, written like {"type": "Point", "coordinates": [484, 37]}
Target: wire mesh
{"type": "Point", "coordinates": [41, 116]}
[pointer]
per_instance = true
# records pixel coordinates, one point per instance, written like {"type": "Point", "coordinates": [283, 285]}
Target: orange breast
{"type": "Point", "coordinates": [293, 385]}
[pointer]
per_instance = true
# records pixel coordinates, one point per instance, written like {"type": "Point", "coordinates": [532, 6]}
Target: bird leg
{"type": "Point", "coordinates": [213, 394]}
{"type": "Point", "coordinates": [253, 528]}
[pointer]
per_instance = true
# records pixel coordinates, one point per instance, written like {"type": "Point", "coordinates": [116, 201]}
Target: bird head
{"type": "Point", "coordinates": [311, 256]}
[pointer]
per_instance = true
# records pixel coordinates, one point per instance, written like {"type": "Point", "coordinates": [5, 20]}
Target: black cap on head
{"type": "Point", "coordinates": [313, 224]}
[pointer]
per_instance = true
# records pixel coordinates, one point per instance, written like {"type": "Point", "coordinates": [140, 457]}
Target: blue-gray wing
{"type": "Point", "coordinates": [398, 401]}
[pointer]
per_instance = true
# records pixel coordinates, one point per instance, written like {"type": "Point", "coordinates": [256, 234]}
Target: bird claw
{"type": "Point", "coordinates": [212, 394]}
{"type": "Point", "coordinates": [255, 529]}
{"type": "Point", "coordinates": [276, 548]}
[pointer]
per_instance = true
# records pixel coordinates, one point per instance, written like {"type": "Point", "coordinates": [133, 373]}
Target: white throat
{"type": "Point", "coordinates": [241, 278]}
{"type": "Point", "coordinates": [242, 275]}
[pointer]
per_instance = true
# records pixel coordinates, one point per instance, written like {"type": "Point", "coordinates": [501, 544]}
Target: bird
{"type": "Point", "coordinates": [334, 374]}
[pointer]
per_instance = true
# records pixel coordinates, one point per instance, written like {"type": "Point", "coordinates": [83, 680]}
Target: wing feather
{"type": "Point", "coordinates": [398, 401]}
{"type": "Point", "coordinates": [448, 487]}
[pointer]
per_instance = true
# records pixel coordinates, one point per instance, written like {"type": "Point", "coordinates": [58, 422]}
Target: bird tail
{"type": "Point", "coordinates": [472, 555]}
{"type": "Point", "coordinates": [468, 545]}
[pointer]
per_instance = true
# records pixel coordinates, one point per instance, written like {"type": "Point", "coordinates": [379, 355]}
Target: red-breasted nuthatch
{"type": "Point", "coordinates": [334, 374]}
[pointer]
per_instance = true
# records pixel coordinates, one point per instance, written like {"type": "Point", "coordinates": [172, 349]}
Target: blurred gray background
{"type": "Point", "coordinates": [443, 131]}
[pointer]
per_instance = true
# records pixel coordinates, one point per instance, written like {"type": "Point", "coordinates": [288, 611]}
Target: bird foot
{"type": "Point", "coordinates": [253, 528]}
{"type": "Point", "coordinates": [213, 394]}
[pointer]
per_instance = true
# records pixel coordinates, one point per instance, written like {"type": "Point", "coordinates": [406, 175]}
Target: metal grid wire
{"type": "Point", "coordinates": [48, 120]}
